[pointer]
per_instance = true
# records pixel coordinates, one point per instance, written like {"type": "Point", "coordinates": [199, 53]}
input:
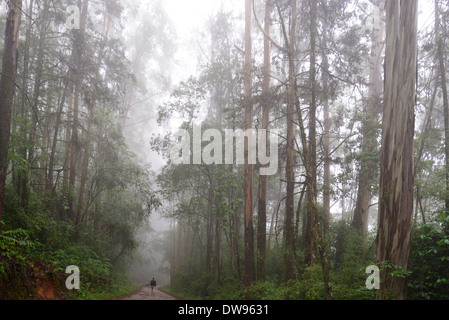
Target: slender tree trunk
{"type": "Point", "coordinates": [310, 152]}
{"type": "Point", "coordinates": [85, 164]}
{"type": "Point", "coordinates": [421, 143]}
{"type": "Point", "coordinates": [51, 162]}
{"type": "Point", "coordinates": [440, 50]}
{"type": "Point", "coordinates": [372, 112]}
{"type": "Point", "coordinates": [209, 224]}
{"type": "Point", "coordinates": [289, 229]}
{"type": "Point", "coordinates": [326, 154]}
{"type": "Point", "coordinates": [262, 201]}
{"type": "Point", "coordinates": [326, 122]}
{"type": "Point", "coordinates": [22, 175]}
{"type": "Point", "coordinates": [219, 245]}
{"type": "Point", "coordinates": [7, 88]}
{"type": "Point", "coordinates": [68, 134]}
{"type": "Point", "coordinates": [274, 217]}
{"type": "Point", "coordinates": [43, 23]}
{"type": "Point", "coordinates": [74, 150]}
{"type": "Point", "coordinates": [298, 213]}
{"type": "Point", "coordinates": [396, 175]}
{"type": "Point", "coordinates": [317, 231]}
{"type": "Point", "coordinates": [236, 236]}
{"type": "Point", "coordinates": [178, 246]}
{"type": "Point", "coordinates": [74, 143]}
{"type": "Point", "coordinates": [248, 178]}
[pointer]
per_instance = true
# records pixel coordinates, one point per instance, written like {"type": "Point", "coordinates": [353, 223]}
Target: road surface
{"type": "Point", "coordinates": [145, 294]}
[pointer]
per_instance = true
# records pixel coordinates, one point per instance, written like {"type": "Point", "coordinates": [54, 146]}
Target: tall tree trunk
{"type": "Point", "coordinates": [219, 245]}
{"type": "Point", "coordinates": [369, 129]}
{"type": "Point", "coordinates": [440, 51]}
{"type": "Point", "coordinates": [263, 179]}
{"type": "Point", "coordinates": [68, 134]}
{"type": "Point", "coordinates": [274, 217]}
{"type": "Point", "coordinates": [22, 175]}
{"type": "Point", "coordinates": [43, 23]}
{"type": "Point", "coordinates": [396, 174]}
{"type": "Point", "coordinates": [427, 125]}
{"type": "Point", "coordinates": [90, 102]}
{"type": "Point", "coordinates": [326, 122]}
{"type": "Point", "coordinates": [78, 44]}
{"type": "Point", "coordinates": [51, 161]}
{"type": "Point", "coordinates": [326, 150]}
{"type": "Point", "coordinates": [7, 88]}
{"type": "Point", "coordinates": [289, 230]}
{"type": "Point", "coordinates": [310, 155]}
{"type": "Point", "coordinates": [74, 150]}
{"type": "Point", "coordinates": [299, 213]}
{"type": "Point", "coordinates": [317, 231]}
{"type": "Point", "coordinates": [173, 252]}
{"type": "Point", "coordinates": [85, 164]}
{"type": "Point", "coordinates": [248, 178]}
{"type": "Point", "coordinates": [209, 224]}
{"type": "Point", "coordinates": [178, 246]}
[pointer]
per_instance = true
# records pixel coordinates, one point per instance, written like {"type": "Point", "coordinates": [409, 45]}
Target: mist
{"type": "Point", "coordinates": [256, 149]}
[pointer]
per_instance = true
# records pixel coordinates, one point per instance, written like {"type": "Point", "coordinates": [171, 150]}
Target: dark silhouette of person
{"type": "Point", "coordinates": [152, 284]}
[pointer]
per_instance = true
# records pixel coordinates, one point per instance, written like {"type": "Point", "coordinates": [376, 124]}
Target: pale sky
{"type": "Point", "coordinates": [189, 17]}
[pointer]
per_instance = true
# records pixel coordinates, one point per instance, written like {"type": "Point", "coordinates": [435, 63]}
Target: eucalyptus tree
{"type": "Point", "coordinates": [372, 112]}
{"type": "Point", "coordinates": [263, 180]}
{"type": "Point", "coordinates": [442, 72]}
{"type": "Point", "coordinates": [397, 176]}
{"type": "Point", "coordinates": [248, 180]}
{"type": "Point", "coordinates": [7, 88]}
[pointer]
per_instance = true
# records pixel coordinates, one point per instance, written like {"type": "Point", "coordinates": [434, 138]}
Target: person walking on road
{"type": "Point", "coordinates": [152, 284]}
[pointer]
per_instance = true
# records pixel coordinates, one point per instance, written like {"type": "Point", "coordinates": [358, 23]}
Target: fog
{"type": "Point", "coordinates": [121, 157]}
{"type": "Point", "coordinates": [189, 20]}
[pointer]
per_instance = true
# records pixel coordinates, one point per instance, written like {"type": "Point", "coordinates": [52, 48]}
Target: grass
{"type": "Point", "coordinates": [179, 295]}
{"type": "Point", "coordinates": [116, 290]}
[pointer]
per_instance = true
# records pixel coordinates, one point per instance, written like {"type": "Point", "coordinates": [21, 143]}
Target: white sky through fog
{"type": "Point", "coordinates": [190, 17]}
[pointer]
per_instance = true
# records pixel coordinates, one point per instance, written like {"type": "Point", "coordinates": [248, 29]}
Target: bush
{"type": "Point", "coordinates": [429, 262]}
{"type": "Point", "coordinates": [17, 245]}
{"type": "Point", "coordinates": [263, 290]}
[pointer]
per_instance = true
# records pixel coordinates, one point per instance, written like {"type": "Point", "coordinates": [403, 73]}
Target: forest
{"type": "Point", "coordinates": [234, 150]}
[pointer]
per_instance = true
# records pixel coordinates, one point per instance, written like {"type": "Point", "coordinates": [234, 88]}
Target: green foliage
{"type": "Point", "coordinates": [349, 259]}
{"type": "Point", "coordinates": [98, 278]}
{"type": "Point", "coordinates": [45, 237]}
{"type": "Point", "coordinates": [16, 245]}
{"type": "Point", "coordinates": [394, 270]}
{"type": "Point", "coordinates": [187, 99]}
{"type": "Point", "coordinates": [351, 256]}
{"type": "Point", "coordinates": [190, 284]}
{"type": "Point", "coordinates": [117, 285]}
{"type": "Point", "coordinates": [429, 262]}
{"type": "Point", "coordinates": [309, 287]}
{"type": "Point", "coordinates": [227, 289]}
{"type": "Point", "coordinates": [263, 290]}
{"type": "Point", "coordinates": [274, 266]}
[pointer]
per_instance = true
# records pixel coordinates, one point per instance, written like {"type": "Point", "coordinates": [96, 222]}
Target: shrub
{"type": "Point", "coordinates": [429, 262]}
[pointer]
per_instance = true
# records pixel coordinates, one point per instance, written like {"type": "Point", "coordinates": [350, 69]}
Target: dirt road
{"type": "Point", "coordinates": [145, 294]}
